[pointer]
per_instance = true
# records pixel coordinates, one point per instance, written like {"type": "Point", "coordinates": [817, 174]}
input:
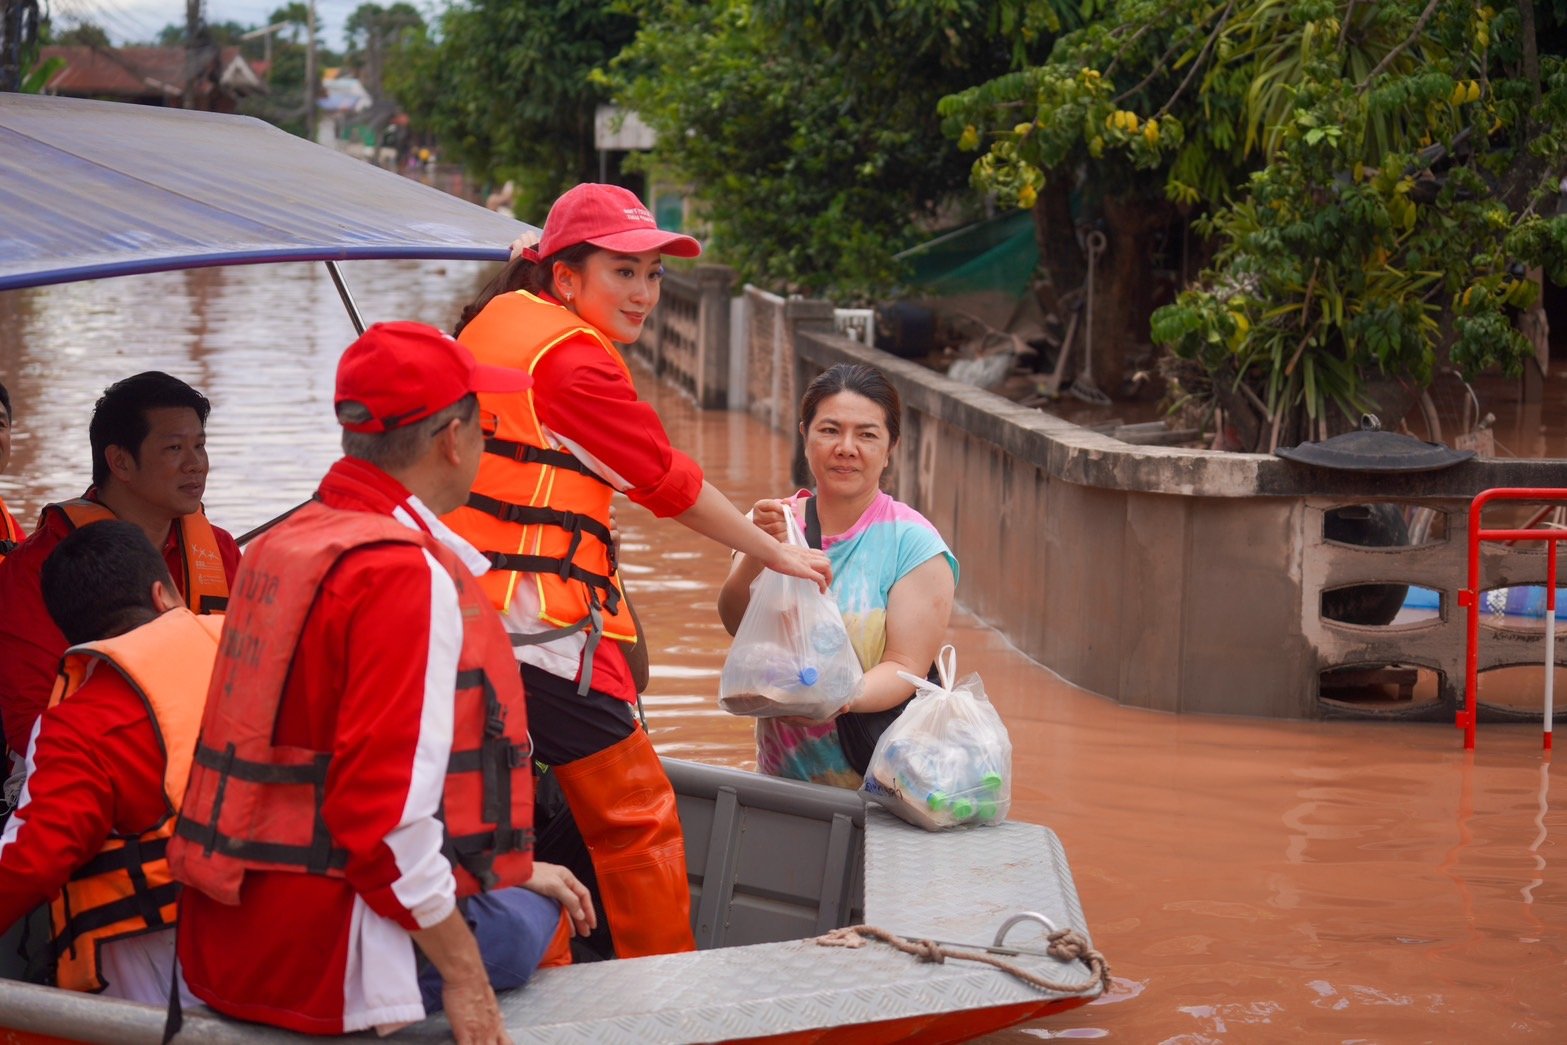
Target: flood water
{"type": "Point", "coordinates": [1248, 880]}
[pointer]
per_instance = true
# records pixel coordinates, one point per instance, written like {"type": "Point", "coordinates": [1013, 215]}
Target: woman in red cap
{"type": "Point", "coordinates": [540, 511]}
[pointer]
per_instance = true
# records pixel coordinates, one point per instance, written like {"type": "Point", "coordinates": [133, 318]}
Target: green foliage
{"type": "Point", "coordinates": [807, 128]}
{"type": "Point", "coordinates": [1369, 173]}
{"type": "Point", "coordinates": [506, 86]}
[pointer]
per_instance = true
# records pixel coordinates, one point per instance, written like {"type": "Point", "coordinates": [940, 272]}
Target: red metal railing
{"type": "Point", "coordinates": [1470, 597]}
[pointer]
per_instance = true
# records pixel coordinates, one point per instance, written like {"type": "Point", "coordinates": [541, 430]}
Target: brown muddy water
{"type": "Point", "coordinates": [1249, 880]}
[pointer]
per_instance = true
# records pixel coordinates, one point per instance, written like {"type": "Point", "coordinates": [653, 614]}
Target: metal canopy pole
{"type": "Point", "coordinates": [348, 299]}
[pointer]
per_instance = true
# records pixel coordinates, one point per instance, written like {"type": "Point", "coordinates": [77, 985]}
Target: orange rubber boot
{"type": "Point", "coordinates": [625, 808]}
{"type": "Point", "coordinates": [559, 951]}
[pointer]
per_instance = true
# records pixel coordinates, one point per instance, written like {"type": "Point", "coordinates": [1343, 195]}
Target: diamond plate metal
{"type": "Point", "coordinates": [956, 886]}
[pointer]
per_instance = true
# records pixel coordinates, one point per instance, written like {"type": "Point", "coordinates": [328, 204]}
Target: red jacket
{"type": "Point", "coordinates": [30, 643]}
{"type": "Point", "coordinates": [372, 683]}
{"type": "Point", "coordinates": [583, 396]}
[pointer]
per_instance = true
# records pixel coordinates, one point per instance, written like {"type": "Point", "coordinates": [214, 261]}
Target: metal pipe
{"type": "Point", "coordinates": [348, 299]}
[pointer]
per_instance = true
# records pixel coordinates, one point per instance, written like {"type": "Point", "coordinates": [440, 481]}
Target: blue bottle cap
{"type": "Point", "coordinates": [808, 675]}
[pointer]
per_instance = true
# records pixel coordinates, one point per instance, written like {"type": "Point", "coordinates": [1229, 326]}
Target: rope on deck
{"type": "Point", "coordinates": [1064, 945]}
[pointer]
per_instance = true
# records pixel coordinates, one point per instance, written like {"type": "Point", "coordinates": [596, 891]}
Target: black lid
{"type": "Point", "coordinates": [1373, 450]}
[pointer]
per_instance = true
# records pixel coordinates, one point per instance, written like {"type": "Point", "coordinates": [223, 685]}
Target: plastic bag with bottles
{"type": "Point", "coordinates": [947, 760]}
{"type": "Point", "coordinates": [791, 655]}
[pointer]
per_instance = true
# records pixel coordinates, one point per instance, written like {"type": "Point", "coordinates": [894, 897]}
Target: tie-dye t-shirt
{"type": "Point", "coordinates": [889, 541]}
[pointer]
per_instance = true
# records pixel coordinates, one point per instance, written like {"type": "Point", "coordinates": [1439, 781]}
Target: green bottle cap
{"type": "Point", "coordinates": [993, 781]}
{"type": "Point", "coordinates": [936, 801]}
{"type": "Point", "coordinates": [987, 809]}
{"type": "Point", "coordinates": [962, 809]}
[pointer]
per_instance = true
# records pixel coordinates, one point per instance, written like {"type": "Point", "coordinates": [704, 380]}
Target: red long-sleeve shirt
{"type": "Point", "coordinates": [586, 400]}
{"type": "Point", "coordinates": [30, 643]}
{"type": "Point", "coordinates": [372, 683]}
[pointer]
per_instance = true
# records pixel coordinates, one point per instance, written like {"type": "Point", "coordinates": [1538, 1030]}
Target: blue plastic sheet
{"type": "Point", "coordinates": [92, 189]}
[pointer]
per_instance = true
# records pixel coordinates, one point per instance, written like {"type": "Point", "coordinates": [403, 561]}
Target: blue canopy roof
{"type": "Point", "coordinates": [92, 189]}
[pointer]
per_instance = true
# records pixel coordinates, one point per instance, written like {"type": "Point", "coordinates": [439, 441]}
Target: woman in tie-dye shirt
{"type": "Point", "coordinates": [893, 575]}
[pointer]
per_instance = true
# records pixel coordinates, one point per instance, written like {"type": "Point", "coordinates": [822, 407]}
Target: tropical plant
{"type": "Point", "coordinates": [505, 87]}
{"type": "Point", "coordinates": [1368, 177]}
{"type": "Point", "coordinates": [807, 128]}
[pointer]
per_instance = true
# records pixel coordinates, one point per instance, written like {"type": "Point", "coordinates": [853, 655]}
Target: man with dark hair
{"type": "Point", "coordinates": [10, 533]}
{"type": "Point", "coordinates": [149, 468]}
{"type": "Point", "coordinates": [106, 766]}
{"type": "Point", "coordinates": [362, 794]}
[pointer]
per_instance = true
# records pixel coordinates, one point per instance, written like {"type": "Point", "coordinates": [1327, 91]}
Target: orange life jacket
{"type": "Point", "coordinates": [10, 533]}
{"type": "Point", "coordinates": [537, 511]}
{"type": "Point", "coordinates": [254, 805]}
{"type": "Point", "coordinates": [126, 890]}
{"type": "Point", "coordinates": [204, 582]}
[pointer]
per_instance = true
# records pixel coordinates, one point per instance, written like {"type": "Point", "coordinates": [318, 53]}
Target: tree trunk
{"type": "Point", "coordinates": [1060, 256]}
{"type": "Point", "coordinates": [1124, 286]}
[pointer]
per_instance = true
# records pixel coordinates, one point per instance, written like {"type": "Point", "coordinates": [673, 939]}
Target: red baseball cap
{"type": "Point", "coordinates": [406, 372]}
{"type": "Point", "coordinates": [607, 216]}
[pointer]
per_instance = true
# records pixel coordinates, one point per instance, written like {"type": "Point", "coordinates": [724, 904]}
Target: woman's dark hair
{"type": "Point", "coordinates": [862, 380]}
{"type": "Point", "coordinates": [5, 401]}
{"type": "Point", "coordinates": [521, 274]}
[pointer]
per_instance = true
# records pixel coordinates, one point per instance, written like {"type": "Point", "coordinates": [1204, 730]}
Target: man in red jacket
{"type": "Point", "coordinates": [106, 766]}
{"type": "Point", "coordinates": [337, 820]}
{"type": "Point", "coordinates": [149, 448]}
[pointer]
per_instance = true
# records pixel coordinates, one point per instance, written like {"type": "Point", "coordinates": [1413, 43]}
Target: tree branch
{"type": "Point", "coordinates": [1387, 59]}
{"type": "Point", "coordinates": [1213, 38]}
{"type": "Point", "coordinates": [1159, 66]}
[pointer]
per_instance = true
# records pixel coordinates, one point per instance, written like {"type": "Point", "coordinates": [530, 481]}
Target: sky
{"type": "Point", "coordinates": [139, 21]}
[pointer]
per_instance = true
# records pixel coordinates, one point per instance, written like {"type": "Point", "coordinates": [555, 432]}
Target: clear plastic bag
{"type": "Point", "coordinates": [791, 654]}
{"type": "Point", "coordinates": [947, 760]}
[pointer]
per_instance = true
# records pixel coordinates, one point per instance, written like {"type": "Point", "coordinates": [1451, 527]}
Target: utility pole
{"type": "Point", "coordinates": [18, 30]}
{"type": "Point", "coordinates": [266, 33]}
{"type": "Point", "coordinates": [194, 51]}
{"type": "Point", "coordinates": [310, 70]}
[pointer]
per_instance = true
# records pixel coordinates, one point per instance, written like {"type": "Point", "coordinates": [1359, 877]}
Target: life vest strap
{"type": "Point", "coordinates": [305, 857]}
{"type": "Point", "coordinates": [526, 453]}
{"type": "Point", "coordinates": [312, 772]}
{"type": "Point", "coordinates": [79, 924]}
{"type": "Point", "coordinates": [120, 858]}
{"type": "Point", "coordinates": [564, 568]}
{"type": "Point", "coordinates": [526, 515]}
{"type": "Point", "coordinates": [7, 546]}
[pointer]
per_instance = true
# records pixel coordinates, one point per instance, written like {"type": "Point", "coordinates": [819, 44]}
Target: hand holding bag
{"type": "Point", "coordinates": [791, 654]}
{"type": "Point", "coordinates": [947, 760]}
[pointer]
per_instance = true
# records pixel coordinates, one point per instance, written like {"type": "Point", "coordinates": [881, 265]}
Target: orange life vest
{"type": "Point", "coordinates": [205, 584]}
{"type": "Point", "coordinates": [126, 890]}
{"type": "Point", "coordinates": [10, 533]}
{"type": "Point", "coordinates": [536, 510]}
{"type": "Point", "coordinates": [254, 805]}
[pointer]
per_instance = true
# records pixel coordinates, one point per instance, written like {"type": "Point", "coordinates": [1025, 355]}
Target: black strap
{"type": "Point", "coordinates": [564, 568]}
{"type": "Point", "coordinates": [82, 922]}
{"type": "Point", "coordinates": [213, 604]}
{"type": "Point", "coordinates": [119, 859]}
{"type": "Point", "coordinates": [228, 764]}
{"type": "Point", "coordinates": [527, 515]}
{"type": "Point", "coordinates": [261, 852]}
{"type": "Point", "coordinates": [813, 524]}
{"type": "Point", "coordinates": [6, 546]}
{"type": "Point", "coordinates": [529, 454]}
{"type": "Point", "coordinates": [174, 1017]}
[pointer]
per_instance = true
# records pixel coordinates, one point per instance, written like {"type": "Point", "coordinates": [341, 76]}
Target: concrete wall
{"type": "Point", "coordinates": [686, 339]}
{"type": "Point", "coordinates": [1168, 578]}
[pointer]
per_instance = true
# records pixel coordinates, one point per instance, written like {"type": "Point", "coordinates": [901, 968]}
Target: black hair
{"type": "Point", "coordinates": [521, 274]}
{"type": "Point", "coordinates": [5, 401]}
{"type": "Point", "coordinates": [97, 583]}
{"type": "Point", "coordinates": [120, 416]}
{"type": "Point", "coordinates": [862, 380]}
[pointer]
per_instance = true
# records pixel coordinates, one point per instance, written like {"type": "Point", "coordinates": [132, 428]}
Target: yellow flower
{"type": "Point", "coordinates": [1474, 91]}
{"type": "Point", "coordinates": [1022, 129]}
{"type": "Point", "coordinates": [1027, 197]}
{"type": "Point", "coordinates": [969, 140]}
{"type": "Point", "coordinates": [1151, 132]}
{"type": "Point", "coordinates": [1460, 93]}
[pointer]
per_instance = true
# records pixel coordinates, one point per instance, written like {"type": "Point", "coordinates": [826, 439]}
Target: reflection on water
{"type": "Point", "coordinates": [1248, 880]}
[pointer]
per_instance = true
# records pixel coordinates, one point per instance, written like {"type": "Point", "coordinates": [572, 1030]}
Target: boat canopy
{"type": "Point", "coordinates": [92, 189]}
